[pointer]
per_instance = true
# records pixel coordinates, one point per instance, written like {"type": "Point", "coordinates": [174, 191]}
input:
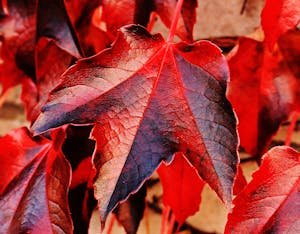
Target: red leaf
{"type": "Point", "coordinates": [117, 14]}
{"type": "Point", "coordinates": [83, 173]}
{"type": "Point", "coordinates": [34, 94]}
{"type": "Point", "coordinates": [3, 8]}
{"type": "Point", "coordinates": [16, 151]}
{"type": "Point", "coordinates": [17, 43]}
{"type": "Point", "coordinates": [278, 17]}
{"type": "Point", "coordinates": [182, 187]}
{"type": "Point", "coordinates": [240, 181]}
{"type": "Point", "coordinates": [270, 203]}
{"type": "Point", "coordinates": [35, 201]}
{"type": "Point", "coordinates": [150, 99]}
{"type": "Point", "coordinates": [260, 80]}
{"type": "Point", "coordinates": [92, 38]}
{"type": "Point", "coordinates": [57, 28]}
{"type": "Point", "coordinates": [290, 49]}
{"type": "Point", "coordinates": [78, 10]}
{"type": "Point", "coordinates": [18, 34]}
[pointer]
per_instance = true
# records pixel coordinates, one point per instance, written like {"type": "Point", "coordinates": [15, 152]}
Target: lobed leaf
{"type": "Point", "coordinates": [150, 99]}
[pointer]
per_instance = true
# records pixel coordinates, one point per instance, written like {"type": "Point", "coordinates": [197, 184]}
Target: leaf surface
{"type": "Point", "coordinates": [290, 48]}
{"type": "Point", "coordinates": [35, 200]}
{"type": "Point", "coordinates": [278, 17]}
{"type": "Point", "coordinates": [26, 22]}
{"type": "Point", "coordinates": [17, 43]}
{"type": "Point", "coordinates": [262, 92]}
{"type": "Point", "coordinates": [240, 181]}
{"type": "Point", "coordinates": [35, 94]}
{"type": "Point", "coordinates": [271, 201]}
{"type": "Point", "coordinates": [82, 13]}
{"type": "Point", "coordinates": [182, 187]}
{"type": "Point", "coordinates": [150, 99]}
{"type": "Point", "coordinates": [57, 27]}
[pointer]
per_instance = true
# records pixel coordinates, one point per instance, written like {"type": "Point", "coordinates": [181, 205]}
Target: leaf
{"type": "Point", "coordinates": [3, 8]}
{"type": "Point", "coordinates": [35, 201]}
{"type": "Point", "coordinates": [82, 13]}
{"type": "Point", "coordinates": [34, 94]}
{"type": "Point", "coordinates": [79, 10]}
{"type": "Point", "coordinates": [17, 149]}
{"type": "Point", "coordinates": [290, 49]}
{"type": "Point", "coordinates": [17, 43]}
{"type": "Point", "coordinates": [150, 99]}
{"type": "Point", "coordinates": [130, 212]}
{"type": "Point", "coordinates": [240, 181]}
{"type": "Point", "coordinates": [57, 28]}
{"type": "Point", "coordinates": [289, 46]}
{"type": "Point", "coordinates": [278, 17]}
{"type": "Point", "coordinates": [26, 21]}
{"type": "Point", "coordinates": [182, 187]}
{"type": "Point", "coordinates": [83, 173]}
{"type": "Point", "coordinates": [260, 79]}
{"type": "Point", "coordinates": [270, 203]}
{"type": "Point", "coordinates": [118, 13]}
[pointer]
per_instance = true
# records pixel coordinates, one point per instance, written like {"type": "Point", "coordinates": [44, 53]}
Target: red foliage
{"type": "Point", "coordinates": [278, 17]}
{"type": "Point", "coordinates": [268, 81]}
{"type": "Point", "coordinates": [140, 102]}
{"type": "Point", "coordinates": [270, 202]}
{"type": "Point", "coordinates": [47, 78]}
{"type": "Point", "coordinates": [34, 198]}
{"type": "Point", "coordinates": [178, 193]}
{"type": "Point", "coordinates": [152, 94]}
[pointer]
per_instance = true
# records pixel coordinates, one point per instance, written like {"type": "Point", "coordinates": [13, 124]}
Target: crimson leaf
{"type": "Point", "coordinates": [182, 187]}
{"type": "Point", "coordinates": [35, 201]}
{"type": "Point", "coordinates": [34, 94]}
{"type": "Point", "coordinates": [57, 27]}
{"type": "Point", "coordinates": [27, 22]}
{"type": "Point", "coordinates": [92, 39]}
{"type": "Point", "coordinates": [271, 201]}
{"type": "Point", "coordinates": [150, 99]}
{"type": "Point", "coordinates": [278, 17]}
{"type": "Point", "coordinates": [262, 79]}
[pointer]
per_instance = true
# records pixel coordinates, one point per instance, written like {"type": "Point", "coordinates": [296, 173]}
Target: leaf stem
{"type": "Point", "coordinates": [175, 21]}
{"type": "Point", "coordinates": [291, 128]}
{"type": "Point", "coordinates": [146, 217]}
{"type": "Point", "coordinates": [171, 224]}
{"type": "Point", "coordinates": [111, 224]}
{"type": "Point", "coordinates": [243, 7]}
{"type": "Point", "coordinates": [165, 218]}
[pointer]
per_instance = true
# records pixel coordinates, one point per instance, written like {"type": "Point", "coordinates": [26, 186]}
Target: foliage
{"type": "Point", "coordinates": [110, 103]}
